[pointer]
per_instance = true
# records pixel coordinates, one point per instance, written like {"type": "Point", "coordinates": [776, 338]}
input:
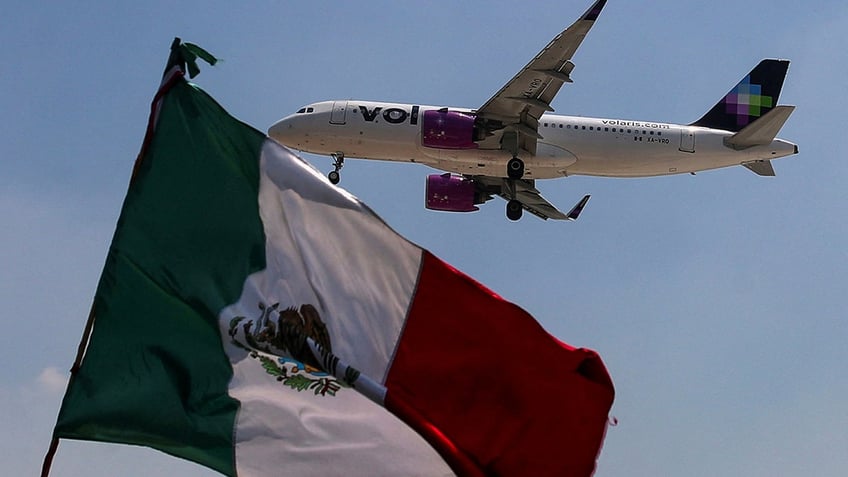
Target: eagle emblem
{"type": "Point", "coordinates": [279, 340]}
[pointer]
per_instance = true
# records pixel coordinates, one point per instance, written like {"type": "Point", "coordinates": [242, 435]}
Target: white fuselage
{"type": "Point", "coordinates": [569, 145]}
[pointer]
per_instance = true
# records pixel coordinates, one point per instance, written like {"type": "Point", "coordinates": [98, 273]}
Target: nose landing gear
{"type": "Point", "coordinates": [338, 163]}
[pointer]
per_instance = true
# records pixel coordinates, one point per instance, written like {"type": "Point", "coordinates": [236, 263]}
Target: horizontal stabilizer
{"type": "Point", "coordinates": [762, 168]}
{"type": "Point", "coordinates": [762, 131]}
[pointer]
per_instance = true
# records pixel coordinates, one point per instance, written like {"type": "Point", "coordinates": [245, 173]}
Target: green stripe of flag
{"type": "Point", "coordinates": [155, 373]}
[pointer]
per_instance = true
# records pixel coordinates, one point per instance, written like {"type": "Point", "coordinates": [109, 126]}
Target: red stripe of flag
{"type": "Point", "coordinates": [491, 389]}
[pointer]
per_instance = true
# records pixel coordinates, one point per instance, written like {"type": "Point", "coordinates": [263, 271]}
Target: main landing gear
{"type": "Point", "coordinates": [515, 171]}
{"type": "Point", "coordinates": [515, 168]}
{"type": "Point", "coordinates": [338, 163]}
{"type": "Point", "coordinates": [514, 209]}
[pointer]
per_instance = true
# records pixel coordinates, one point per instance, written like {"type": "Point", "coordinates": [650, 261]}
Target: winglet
{"type": "Point", "coordinates": [594, 11]}
{"type": "Point", "coordinates": [575, 211]}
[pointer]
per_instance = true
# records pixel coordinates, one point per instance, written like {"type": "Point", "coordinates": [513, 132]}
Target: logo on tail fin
{"type": "Point", "coordinates": [747, 102]}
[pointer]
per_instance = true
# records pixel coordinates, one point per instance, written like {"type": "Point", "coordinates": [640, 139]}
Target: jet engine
{"type": "Point", "coordinates": [450, 193]}
{"type": "Point", "coordinates": [443, 129]}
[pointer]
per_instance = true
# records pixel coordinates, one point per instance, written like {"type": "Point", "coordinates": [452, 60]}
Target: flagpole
{"type": "Point", "coordinates": [86, 335]}
{"type": "Point", "coordinates": [48, 459]}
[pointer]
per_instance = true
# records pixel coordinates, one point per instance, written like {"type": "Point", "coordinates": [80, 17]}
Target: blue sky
{"type": "Point", "coordinates": [717, 301]}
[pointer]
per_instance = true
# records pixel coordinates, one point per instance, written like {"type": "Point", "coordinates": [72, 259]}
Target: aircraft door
{"type": "Point", "coordinates": [339, 113]}
{"type": "Point", "coordinates": [687, 140]}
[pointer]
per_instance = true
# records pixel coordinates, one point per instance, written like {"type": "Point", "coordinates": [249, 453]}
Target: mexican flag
{"type": "Point", "coordinates": [255, 319]}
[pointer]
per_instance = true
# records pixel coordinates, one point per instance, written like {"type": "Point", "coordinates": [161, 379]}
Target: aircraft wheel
{"type": "Point", "coordinates": [515, 168]}
{"type": "Point", "coordinates": [334, 177]}
{"type": "Point", "coordinates": [514, 210]}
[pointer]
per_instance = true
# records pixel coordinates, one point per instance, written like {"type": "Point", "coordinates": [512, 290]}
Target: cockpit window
{"type": "Point", "coordinates": [305, 110]}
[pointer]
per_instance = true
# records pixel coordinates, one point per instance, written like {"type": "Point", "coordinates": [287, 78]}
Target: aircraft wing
{"type": "Point", "coordinates": [525, 192]}
{"type": "Point", "coordinates": [521, 102]}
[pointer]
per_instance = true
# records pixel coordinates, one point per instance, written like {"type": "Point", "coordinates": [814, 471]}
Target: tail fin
{"type": "Point", "coordinates": [753, 97]}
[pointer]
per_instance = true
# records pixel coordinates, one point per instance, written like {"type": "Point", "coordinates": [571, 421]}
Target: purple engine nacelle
{"type": "Point", "coordinates": [450, 193]}
{"type": "Point", "coordinates": [443, 129]}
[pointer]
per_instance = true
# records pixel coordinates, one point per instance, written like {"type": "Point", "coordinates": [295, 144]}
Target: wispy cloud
{"type": "Point", "coordinates": [52, 381]}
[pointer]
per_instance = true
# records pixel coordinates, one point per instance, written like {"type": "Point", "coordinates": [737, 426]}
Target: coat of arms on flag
{"type": "Point", "coordinates": [278, 333]}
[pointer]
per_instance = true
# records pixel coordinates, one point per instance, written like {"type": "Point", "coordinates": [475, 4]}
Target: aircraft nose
{"type": "Point", "coordinates": [280, 130]}
{"type": "Point", "coordinates": [283, 131]}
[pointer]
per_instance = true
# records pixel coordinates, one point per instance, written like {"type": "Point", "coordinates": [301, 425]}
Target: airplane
{"type": "Point", "coordinates": [504, 146]}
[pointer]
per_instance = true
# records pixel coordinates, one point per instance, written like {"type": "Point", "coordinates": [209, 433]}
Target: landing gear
{"type": "Point", "coordinates": [514, 210]}
{"type": "Point", "coordinates": [338, 163]}
{"type": "Point", "coordinates": [334, 177]}
{"type": "Point", "coordinates": [515, 168]}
